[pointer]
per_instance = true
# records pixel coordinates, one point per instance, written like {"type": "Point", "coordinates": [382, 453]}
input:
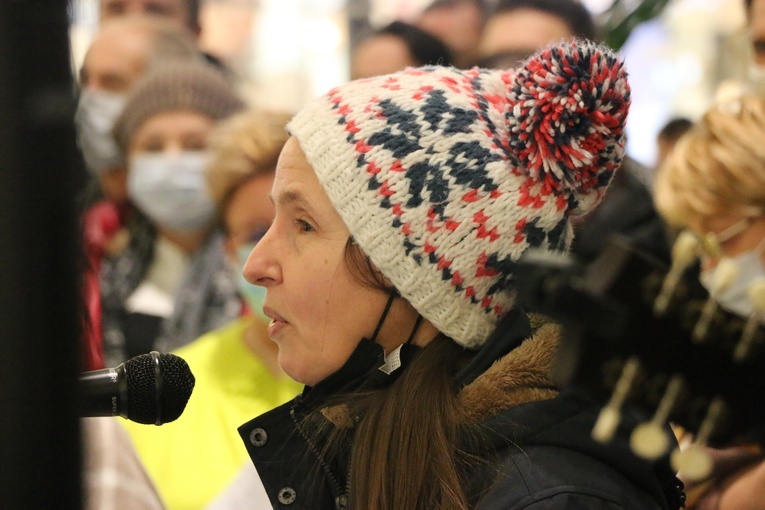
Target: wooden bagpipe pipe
{"type": "Point", "coordinates": [640, 335]}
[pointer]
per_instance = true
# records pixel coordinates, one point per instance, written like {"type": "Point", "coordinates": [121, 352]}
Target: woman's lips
{"type": "Point", "coordinates": [277, 322]}
{"type": "Point", "coordinates": [275, 327]}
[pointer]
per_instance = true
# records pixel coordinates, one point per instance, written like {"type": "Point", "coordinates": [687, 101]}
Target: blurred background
{"type": "Point", "coordinates": [285, 52]}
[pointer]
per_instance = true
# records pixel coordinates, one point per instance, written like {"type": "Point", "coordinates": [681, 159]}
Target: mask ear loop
{"type": "Point", "coordinates": [414, 330]}
{"type": "Point", "coordinates": [383, 316]}
{"type": "Point", "coordinates": [417, 323]}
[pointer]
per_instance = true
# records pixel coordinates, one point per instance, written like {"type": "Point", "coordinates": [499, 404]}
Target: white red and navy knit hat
{"type": "Point", "coordinates": [445, 177]}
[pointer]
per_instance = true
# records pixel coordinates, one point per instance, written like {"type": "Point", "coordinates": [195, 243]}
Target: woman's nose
{"type": "Point", "coordinates": [173, 148]}
{"type": "Point", "coordinates": [262, 267]}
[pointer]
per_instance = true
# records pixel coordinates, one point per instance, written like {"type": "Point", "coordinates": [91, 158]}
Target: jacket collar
{"type": "Point", "coordinates": [518, 377]}
{"type": "Point", "coordinates": [512, 368]}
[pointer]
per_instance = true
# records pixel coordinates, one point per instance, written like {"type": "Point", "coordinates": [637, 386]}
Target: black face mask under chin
{"type": "Point", "coordinates": [367, 368]}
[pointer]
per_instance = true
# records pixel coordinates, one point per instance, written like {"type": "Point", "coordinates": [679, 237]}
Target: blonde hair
{"type": "Point", "coordinates": [244, 146]}
{"type": "Point", "coordinates": [718, 167]}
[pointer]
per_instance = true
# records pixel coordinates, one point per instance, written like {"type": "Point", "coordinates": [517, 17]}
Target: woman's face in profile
{"type": "Point", "coordinates": [319, 311]}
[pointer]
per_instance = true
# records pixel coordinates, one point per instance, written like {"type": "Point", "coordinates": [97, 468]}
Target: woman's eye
{"type": "Point", "coordinates": [305, 226]}
{"type": "Point", "coordinates": [152, 145]}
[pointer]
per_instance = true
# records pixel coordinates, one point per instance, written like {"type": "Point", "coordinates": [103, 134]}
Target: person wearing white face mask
{"type": "Point", "coordinates": [96, 112]}
{"type": "Point", "coordinates": [120, 54]}
{"type": "Point", "coordinates": [713, 184]}
{"type": "Point", "coordinates": [729, 279]}
{"type": "Point", "coordinates": [172, 282]}
{"type": "Point", "coordinates": [235, 366]}
{"type": "Point", "coordinates": [123, 50]}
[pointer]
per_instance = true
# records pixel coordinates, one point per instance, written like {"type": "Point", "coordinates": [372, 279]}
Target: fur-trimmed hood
{"type": "Point", "coordinates": [519, 377]}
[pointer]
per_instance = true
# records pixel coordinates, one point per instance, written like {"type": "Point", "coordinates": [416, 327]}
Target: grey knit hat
{"type": "Point", "coordinates": [178, 86]}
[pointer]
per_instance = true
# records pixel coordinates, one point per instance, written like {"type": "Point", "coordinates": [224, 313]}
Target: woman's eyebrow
{"type": "Point", "coordinates": [289, 197]}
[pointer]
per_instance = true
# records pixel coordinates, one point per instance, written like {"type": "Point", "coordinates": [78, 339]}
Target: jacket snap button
{"type": "Point", "coordinates": [287, 496]}
{"type": "Point", "coordinates": [258, 437]}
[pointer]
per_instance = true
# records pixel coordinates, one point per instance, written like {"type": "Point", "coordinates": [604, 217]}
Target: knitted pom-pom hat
{"type": "Point", "coordinates": [445, 177]}
{"type": "Point", "coordinates": [193, 86]}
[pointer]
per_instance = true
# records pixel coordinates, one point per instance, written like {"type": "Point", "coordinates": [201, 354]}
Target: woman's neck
{"type": "Point", "coordinates": [189, 241]}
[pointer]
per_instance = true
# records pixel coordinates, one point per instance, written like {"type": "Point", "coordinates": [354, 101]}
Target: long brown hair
{"type": "Point", "coordinates": [404, 451]}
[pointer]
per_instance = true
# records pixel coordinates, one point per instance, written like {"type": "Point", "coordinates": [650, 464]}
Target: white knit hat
{"type": "Point", "coordinates": [445, 177]}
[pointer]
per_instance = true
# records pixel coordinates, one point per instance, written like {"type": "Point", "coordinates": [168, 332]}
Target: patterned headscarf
{"type": "Point", "coordinates": [446, 177]}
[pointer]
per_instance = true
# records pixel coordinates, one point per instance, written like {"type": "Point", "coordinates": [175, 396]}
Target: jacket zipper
{"type": "Point", "coordinates": [341, 501]}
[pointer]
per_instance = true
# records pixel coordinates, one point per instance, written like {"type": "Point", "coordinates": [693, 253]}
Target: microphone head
{"type": "Point", "coordinates": [158, 387]}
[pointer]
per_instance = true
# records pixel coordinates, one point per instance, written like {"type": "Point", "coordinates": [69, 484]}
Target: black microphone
{"type": "Point", "coordinates": [150, 388]}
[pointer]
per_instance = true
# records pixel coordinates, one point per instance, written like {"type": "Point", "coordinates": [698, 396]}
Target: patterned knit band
{"type": "Point", "coordinates": [445, 177]}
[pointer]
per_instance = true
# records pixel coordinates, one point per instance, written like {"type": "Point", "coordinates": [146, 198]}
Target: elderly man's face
{"type": "Point", "coordinates": [175, 10]}
{"type": "Point", "coordinates": [521, 32]}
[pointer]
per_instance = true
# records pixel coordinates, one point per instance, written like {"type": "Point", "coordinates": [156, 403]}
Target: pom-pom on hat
{"type": "Point", "coordinates": [193, 86]}
{"type": "Point", "coordinates": [445, 177]}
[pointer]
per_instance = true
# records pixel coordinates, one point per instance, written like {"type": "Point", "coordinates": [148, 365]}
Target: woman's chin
{"type": "Point", "coordinates": [297, 370]}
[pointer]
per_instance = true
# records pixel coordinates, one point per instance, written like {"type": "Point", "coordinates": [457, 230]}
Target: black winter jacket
{"type": "Point", "coordinates": [538, 444]}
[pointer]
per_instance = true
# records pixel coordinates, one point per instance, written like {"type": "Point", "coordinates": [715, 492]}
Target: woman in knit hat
{"type": "Point", "coordinates": [402, 205]}
{"type": "Point", "coordinates": [172, 283]}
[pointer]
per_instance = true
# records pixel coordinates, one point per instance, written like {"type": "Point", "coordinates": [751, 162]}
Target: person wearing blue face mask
{"type": "Point", "coordinates": [172, 282]}
{"type": "Point", "coordinates": [713, 184]}
{"type": "Point", "coordinates": [236, 366]}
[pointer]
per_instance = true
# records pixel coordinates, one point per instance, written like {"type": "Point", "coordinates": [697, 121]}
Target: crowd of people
{"type": "Point", "coordinates": [341, 279]}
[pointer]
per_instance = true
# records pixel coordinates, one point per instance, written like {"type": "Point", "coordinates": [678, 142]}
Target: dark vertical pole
{"type": "Point", "coordinates": [39, 298]}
